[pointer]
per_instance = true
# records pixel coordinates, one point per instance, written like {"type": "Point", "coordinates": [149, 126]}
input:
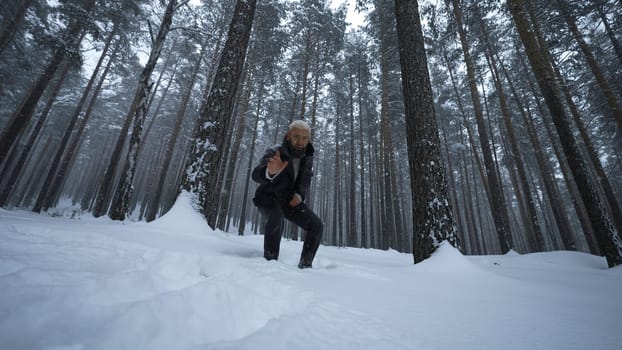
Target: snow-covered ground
{"type": "Point", "coordinates": [91, 283]}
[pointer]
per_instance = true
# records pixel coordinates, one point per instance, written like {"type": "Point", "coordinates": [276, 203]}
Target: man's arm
{"type": "Point", "coordinates": [259, 173]}
{"type": "Point", "coordinates": [270, 166]}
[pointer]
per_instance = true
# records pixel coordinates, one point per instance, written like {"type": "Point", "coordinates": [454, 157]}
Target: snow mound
{"type": "Point", "coordinates": [183, 216]}
{"type": "Point", "coordinates": [561, 259]}
{"type": "Point", "coordinates": [446, 258]}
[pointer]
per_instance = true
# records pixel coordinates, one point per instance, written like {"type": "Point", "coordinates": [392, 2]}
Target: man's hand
{"type": "Point", "coordinates": [276, 164]}
{"type": "Point", "coordinates": [294, 201]}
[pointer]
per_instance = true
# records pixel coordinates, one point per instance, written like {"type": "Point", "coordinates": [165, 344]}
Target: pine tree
{"type": "Point", "coordinates": [138, 113]}
{"type": "Point", "coordinates": [606, 234]}
{"type": "Point", "coordinates": [24, 112]}
{"type": "Point", "coordinates": [214, 120]}
{"type": "Point", "coordinates": [495, 192]}
{"type": "Point", "coordinates": [13, 13]}
{"type": "Point", "coordinates": [432, 218]}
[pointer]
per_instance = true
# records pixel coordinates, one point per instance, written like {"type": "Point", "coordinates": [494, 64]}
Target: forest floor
{"type": "Point", "coordinates": [87, 283]}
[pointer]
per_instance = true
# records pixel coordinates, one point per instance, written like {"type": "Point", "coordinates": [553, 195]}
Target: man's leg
{"type": "Point", "coordinates": [272, 232]}
{"type": "Point", "coordinates": [308, 221]}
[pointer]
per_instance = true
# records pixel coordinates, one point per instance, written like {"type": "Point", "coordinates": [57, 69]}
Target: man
{"type": "Point", "coordinates": [284, 176]}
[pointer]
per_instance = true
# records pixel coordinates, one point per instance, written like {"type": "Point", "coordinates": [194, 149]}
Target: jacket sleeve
{"type": "Point", "coordinates": [259, 173]}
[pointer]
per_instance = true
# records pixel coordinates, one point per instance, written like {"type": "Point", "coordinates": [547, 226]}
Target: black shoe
{"type": "Point", "coordinates": [302, 265]}
{"type": "Point", "coordinates": [269, 256]}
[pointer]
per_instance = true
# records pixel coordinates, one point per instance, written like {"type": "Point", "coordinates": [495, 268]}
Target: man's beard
{"type": "Point", "coordinates": [296, 153]}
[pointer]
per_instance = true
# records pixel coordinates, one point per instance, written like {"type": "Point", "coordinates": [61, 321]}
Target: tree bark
{"type": "Point", "coordinates": [22, 115]}
{"type": "Point", "coordinates": [216, 113]}
{"type": "Point", "coordinates": [138, 113]}
{"type": "Point", "coordinates": [43, 199]}
{"type": "Point", "coordinates": [11, 26]}
{"type": "Point", "coordinates": [338, 212]}
{"type": "Point", "coordinates": [228, 179]}
{"type": "Point", "coordinates": [386, 207]}
{"type": "Point", "coordinates": [362, 118]}
{"type": "Point", "coordinates": [352, 229]}
{"type": "Point", "coordinates": [607, 236]}
{"type": "Point", "coordinates": [558, 209]}
{"type": "Point", "coordinates": [154, 206]}
{"type": "Point", "coordinates": [498, 205]}
{"type": "Point", "coordinates": [601, 176]}
{"type": "Point", "coordinates": [610, 33]}
{"type": "Point", "coordinates": [11, 179]}
{"type": "Point", "coordinates": [249, 168]}
{"type": "Point", "coordinates": [477, 248]}
{"type": "Point", "coordinates": [577, 202]}
{"type": "Point", "coordinates": [533, 221]}
{"type": "Point", "coordinates": [304, 76]}
{"type": "Point", "coordinates": [612, 101]}
{"type": "Point", "coordinates": [462, 231]}
{"type": "Point", "coordinates": [433, 220]}
{"type": "Point", "coordinates": [72, 148]}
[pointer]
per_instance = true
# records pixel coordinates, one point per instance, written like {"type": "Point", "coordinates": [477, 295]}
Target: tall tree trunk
{"type": "Point", "coordinates": [607, 236]}
{"type": "Point", "coordinates": [96, 168]}
{"type": "Point", "coordinates": [154, 205]}
{"type": "Point", "coordinates": [535, 234]}
{"type": "Point", "coordinates": [387, 222]}
{"type": "Point", "coordinates": [313, 124]}
{"type": "Point", "coordinates": [43, 197]}
{"type": "Point", "coordinates": [485, 245]}
{"type": "Point", "coordinates": [338, 212]}
{"type": "Point", "coordinates": [612, 101]}
{"type": "Point", "coordinates": [22, 115]}
{"type": "Point", "coordinates": [523, 227]}
{"type": "Point", "coordinates": [601, 176]}
{"type": "Point", "coordinates": [609, 196]}
{"type": "Point", "coordinates": [163, 71]}
{"type": "Point", "coordinates": [462, 231]}
{"type": "Point", "coordinates": [400, 235]}
{"type": "Point", "coordinates": [352, 231]}
{"type": "Point", "coordinates": [11, 179]}
{"type": "Point", "coordinates": [138, 112]}
{"type": "Point", "coordinates": [71, 150]}
{"type": "Point", "coordinates": [316, 92]}
{"type": "Point", "coordinates": [163, 96]}
{"type": "Point", "coordinates": [432, 217]}
{"type": "Point", "coordinates": [249, 168]}
{"type": "Point", "coordinates": [304, 76]}
{"type": "Point", "coordinates": [216, 112]}
{"type": "Point", "coordinates": [373, 179]}
{"type": "Point", "coordinates": [577, 202]}
{"type": "Point", "coordinates": [533, 221]}
{"type": "Point", "coordinates": [558, 209]}
{"type": "Point", "coordinates": [498, 205]}
{"type": "Point", "coordinates": [469, 212]}
{"type": "Point", "coordinates": [467, 126]}
{"type": "Point", "coordinates": [292, 112]}
{"type": "Point", "coordinates": [362, 118]}
{"type": "Point", "coordinates": [12, 24]}
{"type": "Point", "coordinates": [610, 33]}
{"type": "Point", "coordinates": [229, 177]}
{"type": "Point", "coordinates": [29, 188]}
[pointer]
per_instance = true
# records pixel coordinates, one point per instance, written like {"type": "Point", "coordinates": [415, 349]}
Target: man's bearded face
{"type": "Point", "coordinates": [299, 139]}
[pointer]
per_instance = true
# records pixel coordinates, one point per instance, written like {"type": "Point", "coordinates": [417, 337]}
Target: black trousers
{"type": "Point", "coordinates": [299, 215]}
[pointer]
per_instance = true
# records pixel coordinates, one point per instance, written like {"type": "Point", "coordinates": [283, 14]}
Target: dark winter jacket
{"type": "Point", "coordinates": [280, 190]}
